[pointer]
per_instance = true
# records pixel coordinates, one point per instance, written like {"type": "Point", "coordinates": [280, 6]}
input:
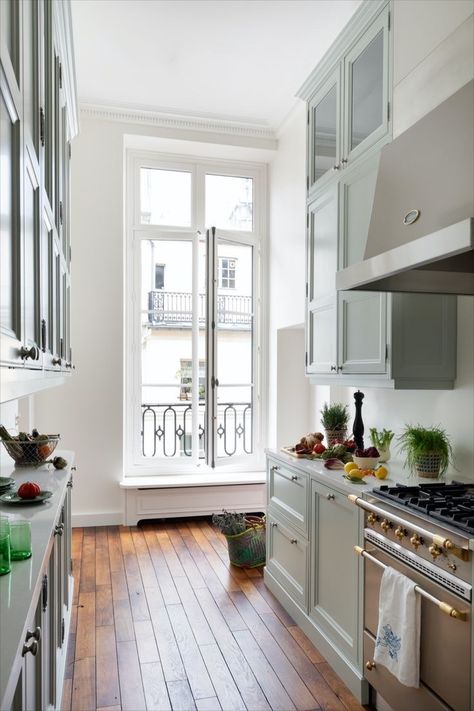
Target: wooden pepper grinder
{"type": "Point", "coordinates": [358, 426]}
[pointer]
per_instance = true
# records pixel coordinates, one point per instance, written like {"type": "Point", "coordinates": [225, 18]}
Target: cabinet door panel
{"type": "Point", "coordinates": [362, 332]}
{"type": "Point", "coordinates": [322, 338]}
{"type": "Point", "coordinates": [324, 129]}
{"type": "Point", "coordinates": [31, 83]}
{"type": "Point", "coordinates": [366, 72]}
{"type": "Point", "coordinates": [287, 559]}
{"type": "Point", "coordinates": [322, 265]}
{"type": "Point", "coordinates": [335, 589]}
{"type": "Point", "coordinates": [32, 326]}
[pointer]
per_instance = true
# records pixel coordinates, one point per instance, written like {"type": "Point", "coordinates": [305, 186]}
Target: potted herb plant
{"type": "Point", "coordinates": [428, 451]}
{"type": "Point", "coordinates": [334, 419]}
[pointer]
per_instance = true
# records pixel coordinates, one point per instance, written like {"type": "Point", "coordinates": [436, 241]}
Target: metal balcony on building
{"type": "Point", "coordinates": [173, 309]}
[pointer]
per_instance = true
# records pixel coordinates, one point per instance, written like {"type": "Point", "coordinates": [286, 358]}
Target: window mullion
{"type": "Point", "coordinates": [211, 395]}
{"type": "Point", "coordinates": [195, 352]}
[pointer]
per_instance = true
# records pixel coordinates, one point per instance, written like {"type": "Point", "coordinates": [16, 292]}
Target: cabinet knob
{"type": "Point", "coordinates": [337, 166]}
{"type": "Point", "coordinates": [59, 529]}
{"type": "Point", "coordinates": [275, 468]}
{"type": "Point", "coordinates": [274, 524]}
{"type": "Point", "coordinates": [294, 477]}
{"type": "Point", "coordinates": [330, 497]}
{"type": "Point", "coordinates": [26, 353]}
{"type": "Point", "coordinates": [56, 361]}
{"type": "Point", "coordinates": [370, 665]}
{"type": "Point", "coordinates": [32, 648]}
{"type": "Point", "coordinates": [35, 634]}
{"type": "Point", "coordinates": [333, 367]}
{"type": "Point", "coordinates": [293, 541]}
{"type": "Point", "coordinates": [339, 368]}
{"type": "Point", "coordinates": [344, 161]}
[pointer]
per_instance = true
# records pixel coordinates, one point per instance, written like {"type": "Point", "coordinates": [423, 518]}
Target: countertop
{"type": "Point", "coordinates": [20, 588]}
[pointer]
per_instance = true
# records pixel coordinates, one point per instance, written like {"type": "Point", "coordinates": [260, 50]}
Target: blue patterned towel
{"type": "Point", "coordinates": [397, 646]}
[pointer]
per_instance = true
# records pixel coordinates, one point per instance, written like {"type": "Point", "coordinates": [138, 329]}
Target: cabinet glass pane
{"type": "Point", "coordinates": [30, 58]}
{"type": "Point", "coordinates": [165, 197]}
{"type": "Point", "coordinates": [324, 133]}
{"type": "Point", "coordinates": [367, 91]}
{"type": "Point", "coordinates": [6, 218]}
{"type": "Point", "coordinates": [49, 108]}
{"type": "Point", "coordinates": [31, 269]}
{"type": "Point", "coordinates": [9, 27]}
{"type": "Point", "coordinates": [324, 231]}
{"type": "Point", "coordinates": [229, 202]}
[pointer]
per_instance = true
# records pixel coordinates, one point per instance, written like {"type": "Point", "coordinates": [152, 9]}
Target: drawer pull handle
{"type": "Point", "coordinates": [330, 497]}
{"type": "Point", "coordinates": [33, 648]}
{"type": "Point", "coordinates": [35, 634]}
{"type": "Point", "coordinates": [294, 478]}
{"type": "Point", "coordinates": [275, 468]}
{"type": "Point", "coordinates": [293, 541]}
{"type": "Point", "coordinates": [370, 665]}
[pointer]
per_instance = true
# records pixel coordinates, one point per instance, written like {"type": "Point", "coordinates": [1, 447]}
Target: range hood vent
{"type": "Point", "coordinates": [420, 237]}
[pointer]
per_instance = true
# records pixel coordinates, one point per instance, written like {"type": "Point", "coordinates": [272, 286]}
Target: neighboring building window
{"type": "Point", "coordinates": [194, 350]}
{"type": "Point", "coordinates": [159, 276]}
{"type": "Point", "coordinates": [227, 273]}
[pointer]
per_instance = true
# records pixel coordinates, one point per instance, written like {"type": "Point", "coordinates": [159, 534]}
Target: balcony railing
{"type": "Point", "coordinates": [174, 309]}
{"type": "Point", "coordinates": [166, 429]}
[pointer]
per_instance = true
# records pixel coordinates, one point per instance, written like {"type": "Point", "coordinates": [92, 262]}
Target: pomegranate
{"type": "Point", "coordinates": [29, 490]}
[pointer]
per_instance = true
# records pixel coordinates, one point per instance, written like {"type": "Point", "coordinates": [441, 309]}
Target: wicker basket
{"type": "Point", "coordinates": [335, 436]}
{"type": "Point", "coordinates": [247, 549]}
{"type": "Point", "coordinates": [31, 453]}
{"type": "Point", "coordinates": [428, 466]}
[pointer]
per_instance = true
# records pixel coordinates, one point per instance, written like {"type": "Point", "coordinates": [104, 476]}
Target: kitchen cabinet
{"type": "Point", "coordinates": [38, 117]}
{"type": "Point", "coordinates": [36, 602]}
{"type": "Point", "coordinates": [348, 100]}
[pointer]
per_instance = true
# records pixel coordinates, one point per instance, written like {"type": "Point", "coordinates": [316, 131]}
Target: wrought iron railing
{"type": "Point", "coordinates": [166, 429]}
{"type": "Point", "coordinates": [174, 308]}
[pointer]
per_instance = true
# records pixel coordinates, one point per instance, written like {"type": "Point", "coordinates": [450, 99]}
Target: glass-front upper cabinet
{"type": "Point", "coordinates": [366, 100]}
{"type": "Point", "coordinates": [324, 130]}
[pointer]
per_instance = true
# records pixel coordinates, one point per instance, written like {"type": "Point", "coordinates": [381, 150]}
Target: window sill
{"type": "Point", "coordinates": [173, 481]}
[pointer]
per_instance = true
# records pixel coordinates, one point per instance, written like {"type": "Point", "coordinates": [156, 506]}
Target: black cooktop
{"type": "Point", "coordinates": [449, 503]}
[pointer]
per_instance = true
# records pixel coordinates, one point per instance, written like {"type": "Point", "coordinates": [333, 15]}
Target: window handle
{"type": "Point", "coordinates": [214, 382]}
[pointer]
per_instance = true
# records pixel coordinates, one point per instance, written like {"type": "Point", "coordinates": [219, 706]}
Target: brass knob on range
{"type": "Point", "coordinates": [372, 519]}
{"type": "Point", "coordinates": [415, 540]}
{"type": "Point", "coordinates": [385, 525]}
{"type": "Point", "coordinates": [370, 665]}
{"type": "Point", "coordinates": [434, 550]}
{"type": "Point", "coordinates": [400, 533]}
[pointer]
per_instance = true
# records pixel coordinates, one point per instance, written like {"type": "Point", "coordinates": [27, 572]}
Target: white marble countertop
{"type": "Point", "coordinates": [20, 588]}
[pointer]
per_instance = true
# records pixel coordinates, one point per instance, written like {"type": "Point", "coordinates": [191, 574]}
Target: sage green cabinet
{"type": "Point", "coordinates": [324, 137]}
{"type": "Point", "coordinates": [334, 597]}
{"type": "Point", "coordinates": [287, 559]}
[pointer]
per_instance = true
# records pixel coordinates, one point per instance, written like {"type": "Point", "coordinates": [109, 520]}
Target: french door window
{"type": "Point", "coordinates": [193, 347]}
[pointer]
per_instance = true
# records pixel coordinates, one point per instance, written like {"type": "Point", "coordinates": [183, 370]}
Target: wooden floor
{"type": "Point", "coordinates": [162, 621]}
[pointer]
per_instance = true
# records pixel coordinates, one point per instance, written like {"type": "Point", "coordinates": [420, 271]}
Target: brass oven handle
{"type": "Point", "coordinates": [444, 543]}
{"type": "Point", "coordinates": [443, 606]}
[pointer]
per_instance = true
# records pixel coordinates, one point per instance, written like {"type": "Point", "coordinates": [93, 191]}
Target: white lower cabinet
{"type": "Point", "coordinates": [313, 570]}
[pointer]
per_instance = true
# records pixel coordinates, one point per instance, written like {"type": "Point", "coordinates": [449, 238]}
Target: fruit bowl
{"type": "Point", "coordinates": [365, 462]}
{"type": "Point", "coordinates": [31, 452]}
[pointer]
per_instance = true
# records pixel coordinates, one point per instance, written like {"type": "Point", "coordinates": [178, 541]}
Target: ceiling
{"type": "Point", "coordinates": [240, 60]}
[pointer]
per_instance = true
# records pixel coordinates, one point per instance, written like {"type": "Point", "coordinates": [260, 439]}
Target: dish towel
{"type": "Point", "coordinates": [397, 646]}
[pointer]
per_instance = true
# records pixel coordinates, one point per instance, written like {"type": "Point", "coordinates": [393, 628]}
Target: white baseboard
{"type": "Point", "coordinates": [84, 520]}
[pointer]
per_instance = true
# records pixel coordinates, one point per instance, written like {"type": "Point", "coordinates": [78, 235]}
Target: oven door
{"type": "Point", "coordinates": [445, 654]}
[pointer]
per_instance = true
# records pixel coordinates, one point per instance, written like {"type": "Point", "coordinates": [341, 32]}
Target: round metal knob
{"type": "Point", "coordinates": [294, 541]}
{"type": "Point", "coordinates": [274, 525]}
{"type": "Point", "coordinates": [333, 367]}
{"type": "Point", "coordinates": [68, 364]}
{"type": "Point", "coordinates": [370, 665]}
{"type": "Point", "coordinates": [372, 519]}
{"type": "Point", "coordinates": [400, 533]}
{"type": "Point", "coordinates": [56, 361]}
{"type": "Point", "coordinates": [26, 353]}
{"type": "Point", "coordinates": [330, 497]}
{"type": "Point", "coordinates": [344, 161]}
{"type": "Point", "coordinates": [337, 166]}
{"type": "Point", "coordinates": [385, 525]}
{"type": "Point", "coordinates": [415, 540]}
{"type": "Point", "coordinates": [35, 634]}
{"type": "Point", "coordinates": [59, 529]}
{"type": "Point", "coordinates": [435, 551]}
{"type": "Point", "coordinates": [339, 368]}
{"type": "Point", "coordinates": [32, 648]}
{"type": "Point", "coordinates": [275, 468]}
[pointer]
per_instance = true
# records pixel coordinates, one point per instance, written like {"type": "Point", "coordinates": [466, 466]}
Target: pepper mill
{"type": "Point", "coordinates": [358, 426]}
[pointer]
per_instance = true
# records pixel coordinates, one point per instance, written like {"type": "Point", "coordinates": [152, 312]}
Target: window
{"type": "Point", "coordinates": [193, 346]}
{"type": "Point", "coordinates": [227, 273]}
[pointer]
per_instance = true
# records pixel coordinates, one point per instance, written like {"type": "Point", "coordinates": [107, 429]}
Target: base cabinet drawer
{"type": "Point", "coordinates": [287, 559]}
{"type": "Point", "coordinates": [288, 493]}
{"type": "Point", "coordinates": [397, 696]}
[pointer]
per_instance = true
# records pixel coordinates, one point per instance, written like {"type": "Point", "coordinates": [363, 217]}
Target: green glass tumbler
{"type": "Point", "coordinates": [5, 565]}
{"type": "Point", "coordinates": [20, 540]}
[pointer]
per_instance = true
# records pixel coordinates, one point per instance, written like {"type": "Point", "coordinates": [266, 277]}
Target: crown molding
{"type": "Point", "coordinates": [178, 121]}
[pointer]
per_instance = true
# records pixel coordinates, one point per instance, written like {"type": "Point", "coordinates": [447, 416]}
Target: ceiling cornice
{"type": "Point", "coordinates": [177, 121]}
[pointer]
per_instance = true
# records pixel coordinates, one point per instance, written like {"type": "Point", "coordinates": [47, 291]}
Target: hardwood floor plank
{"type": "Point", "coordinates": [172, 560]}
{"type": "Point", "coordinates": [165, 581]}
{"type": "Point", "coordinates": [222, 680]}
{"type": "Point", "coordinates": [275, 605]}
{"type": "Point", "coordinates": [85, 634]}
{"type": "Point", "coordinates": [306, 645]}
{"type": "Point", "coordinates": [258, 601]}
{"type": "Point", "coordinates": [102, 565]}
{"type": "Point", "coordinates": [136, 590]}
{"type": "Point", "coordinates": [146, 643]}
{"type": "Point", "coordinates": [339, 688]}
{"type": "Point", "coordinates": [126, 540]}
{"type": "Point", "coordinates": [110, 708]}
{"type": "Point", "coordinates": [196, 672]}
{"type": "Point", "coordinates": [186, 559]}
{"type": "Point", "coordinates": [107, 681]}
{"type": "Point", "coordinates": [201, 630]}
{"type": "Point", "coordinates": [267, 679]}
{"type": "Point", "coordinates": [291, 680]}
{"type": "Point", "coordinates": [70, 657]}
{"type": "Point", "coordinates": [101, 538]}
{"type": "Point", "coordinates": [104, 610]}
{"type": "Point", "coordinates": [83, 690]}
{"type": "Point", "coordinates": [171, 661]}
{"type": "Point", "coordinates": [131, 686]}
{"type": "Point", "coordinates": [124, 630]}
{"type": "Point", "coordinates": [180, 696]}
{"type": "Point", "coordinates": [233, 655]}
{"type": "Point", "coordinates": [115, 549]}
{"type": "Point", "coordinates": [211, 704]}
{"type": "Point", "coordinates": [222, 572]}
{"type": "Point", "coordinates": [145, 564]}
{"type": "Point", "coordinates": [66, 698]}
{"type": "Point", "coordinates": [156, 693]}
{"type": "Point", "coordinates": [87, 582]}
{"type": "Point", "coordinates": [119, 585]}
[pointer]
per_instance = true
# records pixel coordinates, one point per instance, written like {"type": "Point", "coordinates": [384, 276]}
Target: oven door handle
{"type": "Point", "coordinates": [443, 606]}
{"type": "Point", "coordinates": [444, 543]}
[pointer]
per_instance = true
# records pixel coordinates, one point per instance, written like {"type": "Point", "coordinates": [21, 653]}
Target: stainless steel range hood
{"type": "Point", "coordinates": [420, 237]}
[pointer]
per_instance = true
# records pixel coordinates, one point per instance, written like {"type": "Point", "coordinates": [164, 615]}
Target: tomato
{"type": "Point", "coordinates": [29, 490]}
{"type": "Point", "coordinates": [319, 448]}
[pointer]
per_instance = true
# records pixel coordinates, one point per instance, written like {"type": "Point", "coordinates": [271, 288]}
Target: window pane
{"type": "Point", "coordinates": [165, 197]}
{"type": "Point", "coordinates": [229, 202]}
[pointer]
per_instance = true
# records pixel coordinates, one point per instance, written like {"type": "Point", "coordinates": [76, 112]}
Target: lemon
{"type": "Point", "coordinates": [381, 472]}
{"type": "Point", "coordinates": [350, 466]}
